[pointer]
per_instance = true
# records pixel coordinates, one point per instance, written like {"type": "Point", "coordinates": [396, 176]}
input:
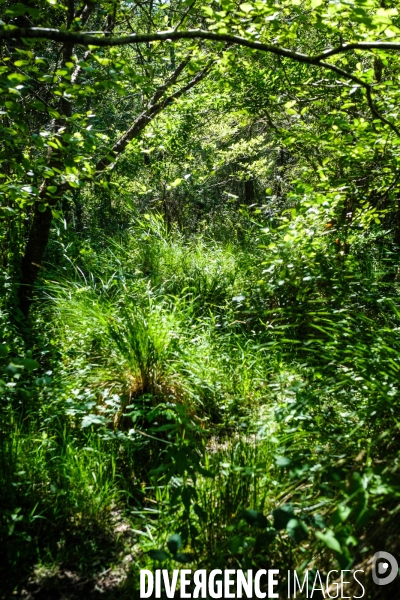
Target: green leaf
{"type": "Point", "coordinates": [4, 350]}
{"type": "Point", "coordinates": [265, 539]}
{"type": "Point", "coordinates": [341, 514]}
{"type": "Point", "coordinates": [174, 543]}
{"type": "Point", "coordinates": [89, 420]}
{"type": "Point", "coordinates": [282, 516]}
{"type": "Point", "coordinates": [318, 521]}
{"type": "Point", "coordinates": [282, 461]}
{"type": "Point", "coordinates": [16, 10]}
{"type": "Point", "coordinates": [37, 105]}
{"type": "Point", "coordinates": [329, 540]}
{"type": "Point", "coordinates": [235, 543]}
{"type": "Point", "coordinates": [297, 530]}
{"type": "Point", "coordinates": [176, 182]}
{"type": "Point", "coordinates": [14, 367]}
{"type": "Point", "coordinates": [43, 381]}
{"type": "Point", "coordinates": [159, 555]}
{"type": "Point", "coordinates": [246, 7]}
{"type": "Point", "coordinates": [184, 558]}
{"type": "Point", "coordinates": [365, 516]}
{"type": "Point", "coordinates": [29, 364]}
{"type": "Point", "coordinates": [255, 518]}
{"type": "Point", "coordinates": [19, 77]}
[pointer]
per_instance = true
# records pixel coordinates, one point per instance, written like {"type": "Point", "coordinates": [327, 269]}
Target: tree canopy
{"type": "Point", "coordinates": [344, 39]}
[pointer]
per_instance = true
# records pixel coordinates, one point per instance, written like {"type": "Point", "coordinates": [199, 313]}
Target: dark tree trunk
{"type": "Point", "coordinates": [32, 259]}
{"type": "Point", "coordinates": [249, 192]}
{"type": "Point", "coordinates": [396, 225]}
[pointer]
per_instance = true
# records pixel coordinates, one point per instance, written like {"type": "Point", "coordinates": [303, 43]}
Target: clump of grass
{"type": "Point", "coordinates": [159, 352]}
{"type": "Point", "coordinates": [132, 351]}
{"type": "Point", "coordinates": [199, 268]}
{"type": "Point", "coordinates": [154, 327]}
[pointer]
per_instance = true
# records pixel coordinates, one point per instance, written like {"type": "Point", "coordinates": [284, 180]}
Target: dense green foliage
{"type": "Point", "coordinates": [200, 351]}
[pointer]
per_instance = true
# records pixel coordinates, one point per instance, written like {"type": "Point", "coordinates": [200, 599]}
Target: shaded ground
{"type": "Point", "coordinates": [88, 564]}
{"type": "Point", "coordinates": [102, 566]}
{"type": "Point", "coordinates": [382, 534]}
{"type": "Point", "coordinates": [69, 585]}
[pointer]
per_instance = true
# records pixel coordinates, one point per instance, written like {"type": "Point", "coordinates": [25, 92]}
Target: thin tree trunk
{"type": "Point", "coordinates": [34, 251]}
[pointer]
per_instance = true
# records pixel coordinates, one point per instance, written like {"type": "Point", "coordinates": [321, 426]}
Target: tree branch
{"type": "Point", "coordinates": [154, 107]}
{"type": "Point", "coordinates": [358, 46]}
{"type": "Point", "coordinates": [368, 88]}
{"type": "Point", "coordinates": [170, 81]}
{"type": "Point", "coordinates": [189, 8]}
{"type": "Point", "coordinates": [93, 39]}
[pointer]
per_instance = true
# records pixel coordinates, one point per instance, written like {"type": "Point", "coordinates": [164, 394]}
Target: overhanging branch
{"type": "Point", "coordinates": [98, 39]}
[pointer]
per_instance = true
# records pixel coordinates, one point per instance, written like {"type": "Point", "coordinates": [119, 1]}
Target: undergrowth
{"type": "Point", "coordinates": [239, 399]}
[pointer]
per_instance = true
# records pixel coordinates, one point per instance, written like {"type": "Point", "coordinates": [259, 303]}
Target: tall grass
{"type": "Point", "coordinates": [194, 382]}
